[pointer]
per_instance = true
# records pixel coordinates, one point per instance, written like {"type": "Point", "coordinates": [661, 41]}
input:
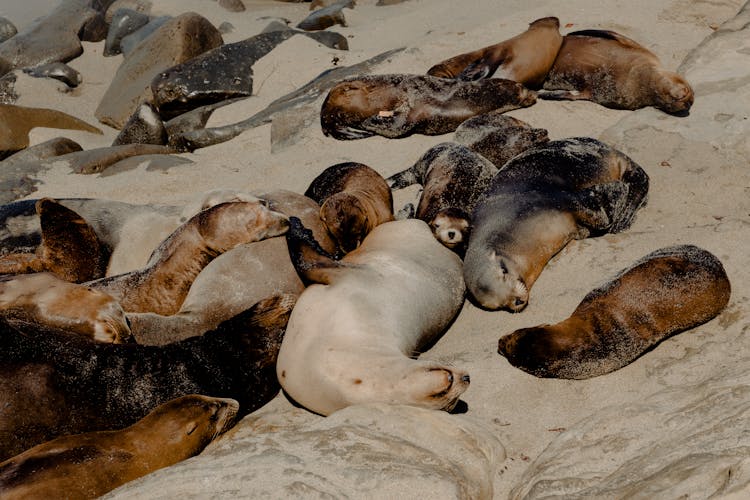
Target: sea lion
{"type": "Point", "coordinates": [614, 71]}
{"type": "Point", "coordinates": [43, 298]}
{"type": "Point", "coordinates": [664, 293]}
{"type": "Point", "coordinates": [143, 127]}
{"type": "Point", "coordinates": [91, 464]}
{"type": "Point", "coordinates": [70, 248]}
{"type": "Point", "coordinates": [525, 58]}
{"type": "Point", "coordinates": [498, 137]}
{"type": "Point", "coordinates": [354, 331]}
{"type": "Point", "coordinates": [353, 199]}
{"type": "Point", "coordinates": [237, 279]}
{"type": "Point", "coordinates": [400, 105]}
{"type": "Point", "coordinates": [326, 17]}
{"type": "Point", "coordinates": [452, 177]}
{"type": "Point", "coordinates": [537, 203]}
{"type": "Point", "coordinates": [162, 285]}
{"type": "Point", "coordinates": [50, 387]}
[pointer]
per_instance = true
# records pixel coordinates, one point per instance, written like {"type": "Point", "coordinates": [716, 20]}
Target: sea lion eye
{"type": "Point", "coordinates": [503, 267]}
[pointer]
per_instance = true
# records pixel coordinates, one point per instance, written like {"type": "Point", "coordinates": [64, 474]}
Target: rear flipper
{"type": "Point", "coordinates": [477, 70]}
{"type": "Point", "coordinates": [598, 206]}
{"type": "Point", "coordinates": [312, 262]}
{"type": "Point", "coordinates": [637, 181]}
{"type": "Point", "coordinates": [402, 179]}
{"type": "Point", "coordinates": [564, 95]}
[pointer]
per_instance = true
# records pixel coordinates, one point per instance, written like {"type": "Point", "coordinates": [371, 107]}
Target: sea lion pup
{"type": "Point", "coordinates": [236, 279]}
{"type": "Point", "coordinates": [354, 331]}
{"type": "Point", "coordinates": [666, 292]}
{"type": "Point", "coordinates": [525, 58]}
{"type": "Point", "coordinates": [53, 383]}
{"type": "Point", "coordinates": [498, 137]}
{"type": "Point", "coordinates": [43, 298]}
{"type": "Point", "coordinates": [452, 177]}
{"type": "Point", "coordinates": [162, 285]}
{"type": "Point", "coordinates": [614, 71]}
{"type": "Point", "coordinates": [538, 202]}
{"type": "Point", "coordinates": [70, 248]}
{"type": "Point", "coordinates": [353, 199]}
{"type": "Point", "coordinates": [91, 464]}
{"type": "Point", "coordinates": [400, 105]}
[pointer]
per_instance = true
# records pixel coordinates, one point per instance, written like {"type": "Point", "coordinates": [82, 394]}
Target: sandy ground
{"type": "Point", "coordinates": [526, 412]}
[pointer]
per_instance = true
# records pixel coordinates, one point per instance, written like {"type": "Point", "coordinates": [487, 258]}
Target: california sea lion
{"type": "Point", "coordinates": [70, 248]}
{"type": "Point", "coordinates": [614, 71]}
{"type": "Point", "coordinates": [452, 177]}
{"type": "Point", "coordinates": [538, 202]}
{"type": "Point", "coordinates": [666, 292]}
{"type": "Point", "coordinates": [498, 137]}
{"type": "Point", "coordinates": [51, 388]}
{"type": "Point", "coordinates": [354, 331]}
{"type": "Point", "coordinates": [91, 464]}
{"type": "Point", "coordinates": [43, 298]}
{"type": "Point", "coordinates": [162, 285]}
{"type": "Point", "coordinates": [399, 105]}
{"type": "Point", "coordinates": [353, 199]}
{"type": "Point", "coordinates": [525, 58]}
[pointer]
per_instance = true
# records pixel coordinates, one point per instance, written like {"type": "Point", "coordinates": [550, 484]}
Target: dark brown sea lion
{"type": "Point", "coordinates": [537, 203]}
{"type": "Point", "coordinates": [91, 464]}
{"type": "Point", "coordinates": [614, 71]}
{"type": "Point", "coordinates": [453, 178]}
{"type": "Point", "coordinates": [53, 383]}
{"type": "Point", "coordinates": [525, 58]}
{"type": "Point", "coordinates": [666, 292]}
{"type": "Point", "coordinates": [162, 285]}
{"type": "Point", "coordinates": [42, 298]}
{"type": "Point", "coordinates": [498, 137]}
{"type": "Point", "coordinates": [70, 248]}
{"type": "Point", "coordinates": [353, 199]}
{"type": "Point", "coordinates": [399, 105]}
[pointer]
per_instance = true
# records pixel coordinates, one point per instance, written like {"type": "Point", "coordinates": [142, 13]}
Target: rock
{"type": "Point", "coordinates": [326, 17]}
{"type": "Point", "coordinates": [7, 29]}
{"type": "Point", "coordinates": [388, 2]}
{"type": "Point", "coordinates": [131, 41]}
{"type": "Point", "coordinates": [95, 161]}
{"type": "Point", "coordinates": [367, 451]}
{"type": "Point", "coordinates": [142, 6]}
{"type": "Point", "coordinates": [51, 38]}
{"type": "Point", "coordinates": [328, 38]}
{"type": "Point", "coordinates": [124, 22]}
{"type": "Point", "coordinates": [58, 71]}
{"type": "Point", "coordinates": [288, 125]}
{"type": "Point", "coordinates": [179, 39]}
{"type": "Point", "coordinates": [232, 5]}
{"type": "Point", "coordinates": [226, 27]}
{"type": "Point", "coordinates": [8, 88]}
{"type": "Point", "coordinates": [42, 151]}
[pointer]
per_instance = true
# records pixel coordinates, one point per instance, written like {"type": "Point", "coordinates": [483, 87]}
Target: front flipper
{"type": "Point", "coordinates": [477, 70]}
{"type": "Point", "coordinates": [391, 124]}
{"type": "Point", "coordinates": [564, 95]}
{"type": "Point", "coordinates": [350, 133]}
{"type": "Point", "coordinates": [403, 179]}
{"type": "Point", "coordinates": [312, 262]}
{"type": "Point", "coordinates": [598, 206]}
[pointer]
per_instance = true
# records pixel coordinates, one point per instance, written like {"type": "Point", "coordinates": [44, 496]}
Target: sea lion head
{"type": "Point", "coordinates": [434, 386]}
{"type": "Point", "coordinates": [496, 283]}
{"type": "Point", "coordinates": [673, 93]}
{"type": "Point", "coordinates": [533, 350]}
{"type": "Point", "coordinates": [346, 219]}
{"type": "Point", "coordinates": [451, 227]}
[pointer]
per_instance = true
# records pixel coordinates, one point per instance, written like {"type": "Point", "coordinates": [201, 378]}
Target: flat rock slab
{"type": "Point", "coordinates": [364, 451]}
{"type": "Point", "coordinates": [179, 39]}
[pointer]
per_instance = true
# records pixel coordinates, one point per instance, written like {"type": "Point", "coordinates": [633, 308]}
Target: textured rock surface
{"type": "Point", "coordinates": [363, 451]}
{"type": "Point", "coordinates": [176, 41]}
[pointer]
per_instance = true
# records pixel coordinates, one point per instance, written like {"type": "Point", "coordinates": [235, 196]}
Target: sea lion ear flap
{"type": "Point", "coordinates": [312, 262]}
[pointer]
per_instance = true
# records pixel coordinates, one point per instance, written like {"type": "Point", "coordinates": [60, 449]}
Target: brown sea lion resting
{"type": "Point", "coordinates": [452, 177]}
{"type": "Point", "coordinates": [353, 199]}
{"type": "Point", "coordinates": [666, 292]}
{"type": "Point", "coordinates": [399, 105]}
{"type": "Point", "coordinates": [525, 58]}
{"type": "Point", "coordinates": [537, 203]}
{"type": "Point", "coordinates": [162, 285]}
{"type": "Point", "coordinates": [614, 71]}
{"type": "Point", "coordinates": [53, 383]}
{"type": "Point", "coordinates": [91, 464]}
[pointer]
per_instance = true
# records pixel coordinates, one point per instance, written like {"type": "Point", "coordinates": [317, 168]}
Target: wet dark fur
{"type": "Point", "coordinates": [664, 293]}
{"type": "Point", "coordinates": [53, 383]}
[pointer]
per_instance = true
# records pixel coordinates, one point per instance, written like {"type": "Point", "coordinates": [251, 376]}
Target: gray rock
{"type": "Point", "coordinates": [328, 38]}
{"type": "Point", "coordinates": [179, 39]}
{"type": "Point", "coordinates": [367, 451]}
{"type": "Point", "coordinates": [42, 151]}
{"type": "Point", "coordinates": [143, 6]}
{"type": "Point", "coordinates": [131, 41]}
{"type": "Point", "coordinates": [8, 88]}
{"type": "Point", "coordinates": [124, 22]}
{"type": "Point", "coordinates": [57, 70]}
{"type": "Point", "coordinates": [7, 29]}
{"type": "Point", "coordinates": [287, 126]}
{"type": "Point", "coordinates": [326, 17]}
{"type": "Point", "coordinates": [232, 5]}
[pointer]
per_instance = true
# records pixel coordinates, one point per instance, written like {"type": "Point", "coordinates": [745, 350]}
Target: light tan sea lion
{"type": "Point", "coordinates": [353, 199]}
{"type": "Point", "coordinates": [666, 292]}
{"type": "Point", "coordinates": [399, 105]}
{"type": "Point", "coordinates": [614, 71]}
{"type": "Point", "coordinates": [89, 465]}
{"type": "Point", "coordinates": [162, 285]}
{"type": "Point", "coordinates": [525, 58]}
{"type": "Point", "coordinates": [536, 204]}
{"type": "Point", "coordinates": [353, 333]}
{"type": "Point", "coordinates": [70, 248]}
{"type": "Point", "coordinates": [43, 298]}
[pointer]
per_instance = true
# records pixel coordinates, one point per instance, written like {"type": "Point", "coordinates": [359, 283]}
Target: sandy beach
{"type": "Point", "coordinates": [699, 194]}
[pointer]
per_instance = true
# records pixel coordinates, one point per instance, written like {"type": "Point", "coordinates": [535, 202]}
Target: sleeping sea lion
{"type": "Point", "coordinates": [666, 292]}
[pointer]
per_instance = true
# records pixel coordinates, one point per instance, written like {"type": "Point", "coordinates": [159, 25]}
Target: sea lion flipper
{"type": "Point", "coordinates": [20, 263]}
{"type": "Point", "coordinates": [564, 95]}
{"type": "Point", "coordinates": [478, 70]}
{"type": "Point", "coordinates": [598, 206]}
{"type": "Point", "coordinates": [403, 179]}
{"type": "Point", "coordinates": [312, 262]}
